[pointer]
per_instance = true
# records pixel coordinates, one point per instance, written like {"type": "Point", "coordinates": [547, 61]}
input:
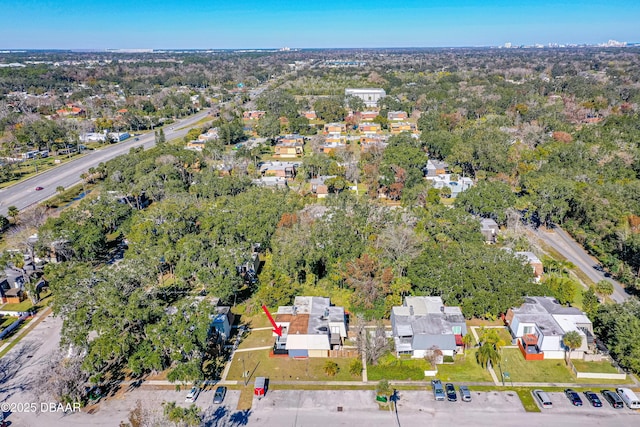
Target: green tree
{"type": "Point", "coordinates": [590, 302]}
{"type": "Point", "coordinates": [13, 212]}
{"type": "Point", "coordinates": [182, 416]}
{"type": "Point", "coordinates": [572, 340]}
{"type": "Point", "coordinates": [60, 189]}
{"type": "Point", "coordinates": [488, 200]}
{"type": "Point", "coordinates": [604, 287]}
{"type": "Point", "coordinates": [268, 126]}
{"type": "Point", "coordinates": [329, 109]}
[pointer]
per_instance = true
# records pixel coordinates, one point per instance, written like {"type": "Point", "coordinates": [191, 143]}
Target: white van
{"type": "Point", "coordinates": [543, 398]}
{"type": "Point", "coordinates": [629, 397]}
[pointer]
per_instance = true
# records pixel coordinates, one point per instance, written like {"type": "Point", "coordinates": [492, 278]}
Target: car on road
{"type": "Point", "coordinates": [438, 391]}
{"type": "Point", "coordinates": [612, 397]}
{"type": "Point", "coordinates": [193, 395]}
{"type": "Point", "coordinates": [465, 394]}
{"type": "Point", "coordinates": [452, 396]}
{"type": "Point", "coordinates": [593, 399]}
{"type": "Point", "coordinates": [136, 139]}
{"type": "Point", "coordinates": [543, 398]}
{"type": "Point", "coordinates": [39, 188]}
{"type": "Point", "coordinates": [219, 395]}
{"type": "Point", "coordinates": [573, 397]}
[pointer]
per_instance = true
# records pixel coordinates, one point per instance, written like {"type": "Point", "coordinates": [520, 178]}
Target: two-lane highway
{"type": "Point", "coordinates": [562, 242]}
{"type": "Point", "coordinates": [24, 194]}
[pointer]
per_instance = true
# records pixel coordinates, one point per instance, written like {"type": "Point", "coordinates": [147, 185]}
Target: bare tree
{"type": "Point", "coordinates": [400, 245]}
{"type": "Point", "coordinates": [373, 344]}
{"type": "Point", "coordinates": [61, 379]}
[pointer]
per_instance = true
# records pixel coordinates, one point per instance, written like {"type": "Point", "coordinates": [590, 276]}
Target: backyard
{"type": "Point", "coordinates": [604, 366]}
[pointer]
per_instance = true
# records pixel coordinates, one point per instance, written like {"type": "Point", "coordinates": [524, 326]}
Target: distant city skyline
{"type": "Point", "coordinates": [168, 24]}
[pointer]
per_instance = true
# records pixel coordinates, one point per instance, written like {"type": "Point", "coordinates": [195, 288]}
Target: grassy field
{"type": "Point", "coordinates": [520, 370]}
{"type": "Point", "coordinates": [465, 369]}
{"type": "Point", "coordinates": [392, 368]}
{"type": "Point", "coordinates": [604, 366]}
{"type": "Point", "coordinates": [285, 369]}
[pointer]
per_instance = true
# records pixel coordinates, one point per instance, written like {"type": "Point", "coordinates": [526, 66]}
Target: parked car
{"type": "Point", "coordinates": [193, 395]}
{"type": "Point", "coordinates": [452, 396]}
{"type": "Point", "coordinates": [219, 395]}
{"type": "Point", "coordinates": [593, 399]}
{"type": "Point", "coordinates": [438, 391]}
{"type": "Point", "coordinates": [629, 397]}
{"type": "Point", "coordinates": [613, 398]}
{"type": "Point", "coordinates": [543, 398]}
{"type": "Point", "coordinates": [573, 397]}
{"type": "Point", "coordinates": [465, 394]}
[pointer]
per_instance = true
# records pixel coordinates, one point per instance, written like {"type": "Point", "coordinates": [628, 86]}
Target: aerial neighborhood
{"type": "Point", "coordinates": [241, 236]}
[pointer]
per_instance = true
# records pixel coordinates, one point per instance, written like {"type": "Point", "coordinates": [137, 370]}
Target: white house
{"type": "Point", "coordinates": [423, 324]}
{"type": "Point", "coordinates": [539, 325]}
{"type": "Point", "coordinates": [370, 96]}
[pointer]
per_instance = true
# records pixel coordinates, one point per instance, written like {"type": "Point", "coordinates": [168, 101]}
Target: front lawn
{"type": "Point", "coordinates": [390, 367]}
{"type": "Point", "coordinates": [520, 370]}
{"type": "Point", "coordinates": [286, 369]}
{"type": "Point", "coordinates": [465, 369]}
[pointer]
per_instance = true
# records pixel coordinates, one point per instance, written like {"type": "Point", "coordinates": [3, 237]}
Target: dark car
{"type": "Point", "coordinates": [452, 396]}
{"type": "Point", "coordinates": [39, 188]}
{"type": "Point", "coordinates": [593, 399]}
{"type": "Point", "coordinates": [613, 398]}
{"type": "Point", "coordinates": [218, 397]}
{"type": "Point", "coordinates": [573, 397]}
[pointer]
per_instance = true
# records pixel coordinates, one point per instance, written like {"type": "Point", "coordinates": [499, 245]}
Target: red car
{"type": "Point", "coordinates": [39, 188]}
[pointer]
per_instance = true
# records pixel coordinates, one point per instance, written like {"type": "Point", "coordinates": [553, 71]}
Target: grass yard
{"type": "Point", "coordinates": [285, 369]}
{"type": "Point", "coordinates": [391, 368]}
{"type": "Point", "coordinates": [600, 367]}
{"type": "Point", "coordinates": [22, 306]}
{"type": "Point", "coordinates": [520, 370]}
{"type": "Point", "coordinates": [255, 339]}
{"type": "Point", "coordinates": [465, 369]}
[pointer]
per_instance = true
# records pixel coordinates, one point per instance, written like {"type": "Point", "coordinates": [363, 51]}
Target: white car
{"type": "Point", "coordinates": [193, 395]}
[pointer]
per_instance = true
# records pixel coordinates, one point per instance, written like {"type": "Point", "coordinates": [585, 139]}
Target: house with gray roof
{"type": "Point", "coordinates": [489, 229]}
{"type": "Point", "coordinates": [539, 325]}
{"type": "Point", "coordinates": [311, 327]}
{"type": "Point", "coordinates": [424, 324]}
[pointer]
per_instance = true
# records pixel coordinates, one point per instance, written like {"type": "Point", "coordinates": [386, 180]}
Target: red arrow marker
{"type": "Point", "coordinates": [277, 329]}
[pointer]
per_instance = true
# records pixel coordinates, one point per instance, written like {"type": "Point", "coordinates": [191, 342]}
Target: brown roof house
{"type": "Point", "coordinates": [311, 327]}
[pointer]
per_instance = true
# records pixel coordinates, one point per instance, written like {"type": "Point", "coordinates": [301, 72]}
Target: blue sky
{"type": "Point", "coordinates": [98, 24]}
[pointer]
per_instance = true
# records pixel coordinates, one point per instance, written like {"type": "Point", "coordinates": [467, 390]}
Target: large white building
{"type": "Point", "coordinates": [370, 96]}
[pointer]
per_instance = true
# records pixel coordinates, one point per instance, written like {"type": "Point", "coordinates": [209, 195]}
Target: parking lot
{"type": "Point", "coordinates": [562, 404]}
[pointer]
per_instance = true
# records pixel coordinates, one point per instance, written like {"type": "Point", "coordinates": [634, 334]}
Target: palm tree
{"type": "Point", "coordinates": [331, 368]}
{"type": "Point", "coordinates": [488, 354]}
{"type": "Point", "coordinates": [13, 212]}
{"type": "Point", "coordinates": [572, 340]}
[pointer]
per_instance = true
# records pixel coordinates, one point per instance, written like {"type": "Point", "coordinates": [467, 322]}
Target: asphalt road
{"type": "Point", "coordinates": [23, 194]}
{"type": "Point", "coordinates": [562, 242]}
